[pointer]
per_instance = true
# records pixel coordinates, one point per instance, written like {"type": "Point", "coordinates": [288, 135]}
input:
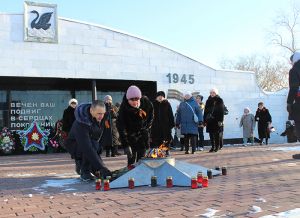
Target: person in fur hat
{"type": "Point", "coordinates": [134, 124]}
{"type": "Point", "coordinates": [185, 120]}
{"type": "Point", "coordinates": [293, 100]}
{"type": "Point", "coordinates": [68, 116]}
{"type": "Point", "coordinates": [214, 118]}
{"type": "Point", "coordinates": [163, 121]}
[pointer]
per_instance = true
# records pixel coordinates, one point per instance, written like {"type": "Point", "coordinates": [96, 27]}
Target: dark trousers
{"type": "Point", "coordinates": [221, 140]}
{"type": "Point", "coordinates": [215, 139]}
{"type": "Point", "coordinates": [137, 154]}
{"type": "Point", "coordinates": [87, 164]}
{"type": "Point", "coordinates": [201, 137]}
{"type": "Point", "coordinates": [297, 126]}
{"type": "Point", "coordinates": [190, 139]}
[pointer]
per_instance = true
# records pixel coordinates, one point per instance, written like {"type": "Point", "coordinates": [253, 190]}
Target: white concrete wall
{"type": "Point", "coordinates": [91, 51]}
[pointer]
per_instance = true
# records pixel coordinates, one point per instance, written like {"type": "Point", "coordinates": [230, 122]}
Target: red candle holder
{"type": "Point", "coordinates": [98, 184]}
{"type": "Point", "coordinates": [205, 181]}
{"type": "Point", "coordinates": [169, 182]}
{"type": "Point", "coordinates": [131, 183]}
{"type": "Point", "coordinates": [199, 177]}
{"type": "Point", "coordinates": [106, 185]}
{"type": "Point", "coordinates": [194, 183]}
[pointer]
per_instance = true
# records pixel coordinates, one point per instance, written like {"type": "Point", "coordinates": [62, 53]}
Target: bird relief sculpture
{"type": "Point", "coordinates": [40, 25]}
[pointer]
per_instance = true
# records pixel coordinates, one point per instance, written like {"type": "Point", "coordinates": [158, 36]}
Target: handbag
{"type": "Point", "coordinates": [210, 116]}
{"type": "Point", "coordinates": [196, 120]}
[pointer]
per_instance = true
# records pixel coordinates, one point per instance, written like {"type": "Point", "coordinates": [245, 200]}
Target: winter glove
{"type": "Point", "coordinates": [289, 108]}
{"type": "Point", "coordinates": [104, 172]}
{"type": "Point", "coordinates": [128, 152]}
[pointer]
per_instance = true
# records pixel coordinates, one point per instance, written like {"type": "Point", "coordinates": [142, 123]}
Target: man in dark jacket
{"type": "Point", "coordinates": [134, 123]}
{"type": "Point", "coordinates": [214, 118]}
{"type": "Point", "coordinates": [163, 121]}
{"type": "Point", "coordinates": [84, 139]}
{"type": "Point", "coordinates": [293, 100]}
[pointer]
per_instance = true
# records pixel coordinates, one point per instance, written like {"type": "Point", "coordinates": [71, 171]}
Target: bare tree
{"type": "Point", "coordinates": [285, 33]}
{"type": "Point", "coordinates": [271, 75]}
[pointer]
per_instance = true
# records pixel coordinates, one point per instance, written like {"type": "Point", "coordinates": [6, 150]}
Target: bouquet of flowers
{"type": "Point", "coordinates": [7, 144]}
{"type": "Point", "coordinates": [59, 137]}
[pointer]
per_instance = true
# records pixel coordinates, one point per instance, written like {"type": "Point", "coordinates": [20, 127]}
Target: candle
{"type": "Point", "coordinates": [199, 177]}
{"type": "Point", "coordinates": [153, 181]}
{"type": "Point", "coordinates": [131, 183]}
{"type": "Point", "coordinates": [106, 185]}
{"type": "Point", "coordinates": [209, 174]}
{"type": "Point", "coordinates": [205, 181]}
{"type": "Point", "coordinates": [224, 171]}
{"type": "Point", "coordinates": [194, 183]}
{"type": "Point", "coordinates": [98, 184]}
{"type": "Point", "coordinates": [169, 182]}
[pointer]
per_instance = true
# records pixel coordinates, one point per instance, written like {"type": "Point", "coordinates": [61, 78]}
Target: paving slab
{"type": "Point", "coordinates": [261, 181]}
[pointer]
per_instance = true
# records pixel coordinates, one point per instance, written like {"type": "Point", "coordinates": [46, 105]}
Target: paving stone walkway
{"type": "Point", "coordinates": [260, 181]}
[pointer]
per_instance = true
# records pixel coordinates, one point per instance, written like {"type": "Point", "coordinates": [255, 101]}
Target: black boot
{"type": "Point", "coordinates": [86, 176]}
{"type": "Point", "coordinates": [107, 152]}
{"type": "Point", "coordinates": [266, 141]}
{"type": "Point", "coordinates": [77, 166]}
{"type": "Point", "coordinates": [187, 147]}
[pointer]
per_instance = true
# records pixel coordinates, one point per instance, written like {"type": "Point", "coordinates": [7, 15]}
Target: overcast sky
{"type": "Point", "coordinates": [206, 30]}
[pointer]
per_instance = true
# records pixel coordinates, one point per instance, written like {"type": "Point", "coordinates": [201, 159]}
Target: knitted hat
{"type": "Point", "coordinates": [73, 100]}
{"type": "Point", "coordinates": [160, 93]}
{"type": "Point", "coordinates": [133, 92]}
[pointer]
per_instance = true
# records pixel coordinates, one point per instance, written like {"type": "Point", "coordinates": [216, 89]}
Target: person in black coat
{"type": "Point", "coordinates": [84, 139]}
{"type": "Point", "coordinates": [134, 124]}
{"type": "Point", "coordinates": [111, 132]}
{"type": "Point", "coordinates": [68, 116]}
{"type": "Point", "coordinates": [264, 120]}
{"type": "Point", "coordinates": [163, 121]}
{"type": "Point", "coordinates": [213, 118]}
{"type": "Point", "coordinates": [293, 100]}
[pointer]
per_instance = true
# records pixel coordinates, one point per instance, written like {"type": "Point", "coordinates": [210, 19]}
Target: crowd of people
{"type": "Point", "coordinates": [139, 124]}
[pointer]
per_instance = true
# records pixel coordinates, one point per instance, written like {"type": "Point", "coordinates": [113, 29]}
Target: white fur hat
{"type": "Point", "coordinates": [187, 94]}
{"type": "Point", "coordinates": [107, 97]}
{"type": "Point", "coordinates": [73, 100]}
{"type": "Point", "coordinates": [215, 90]}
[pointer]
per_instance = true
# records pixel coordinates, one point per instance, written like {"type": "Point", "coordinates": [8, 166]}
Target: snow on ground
{"type": "Point", "coordinates": [210, 213]}
{"type": "Point", "coordinates": [20, 175]}
{"type": "Point", "coordinates": [59, 183]}
{"type": "Point", "coordinates": [261, 200]}
{"type": "Point", "coordinates": [294, 148]}
{"type": "Point", "coordinates": [255, 209]}
{"type": "Point", "coordinates": [295, 213]}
